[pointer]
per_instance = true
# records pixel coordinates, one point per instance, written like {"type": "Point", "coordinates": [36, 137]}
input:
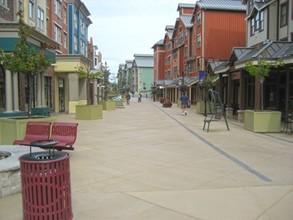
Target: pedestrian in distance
{"type": "Point", "coordinates": [128, 98]}
{"type": "Point", "coordinates": [184, 103]}
{"type": "Point", "coordinates": [139, 97]}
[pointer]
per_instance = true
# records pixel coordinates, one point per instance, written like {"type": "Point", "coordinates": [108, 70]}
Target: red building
{"type": "Point", "coordinates": [216, 30]}
{"type": "Point", "coordinates": [204, 32]}
{"type": "Point", "coordinates": [57, 24]}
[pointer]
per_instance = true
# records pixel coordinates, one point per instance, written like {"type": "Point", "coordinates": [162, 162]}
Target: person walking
{"type": "Point", "coordinates": [139, 97]}
{"type": "Point", "coordinates": [184, 103]}
{"type": "Point", "coordinates": [128, 98]}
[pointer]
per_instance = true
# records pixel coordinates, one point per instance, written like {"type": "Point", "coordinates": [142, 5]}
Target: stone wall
{"type": "Point", "coordinates": [10, 182]}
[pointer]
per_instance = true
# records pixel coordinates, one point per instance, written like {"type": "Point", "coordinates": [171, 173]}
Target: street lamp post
{"type": "Point", "coordinates": [202, 78]}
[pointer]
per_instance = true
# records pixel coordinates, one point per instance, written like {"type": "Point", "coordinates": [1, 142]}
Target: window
{"type": "Point", "coordinates": [256, 20]}
{"type": "Point", "coordinates": [48, 91]}
{"type": "Point", "coordinates": [75, 20]}
{"type": "Point", "coordinates": [168, 47]}
{"type": "Point", "coordinates": [3, 3]}
{"type": "Point", "coordinates": [180, 37]}
{"type": "Point", "coordinates": [198, 41]}
{"type": "Point", "coordinates": [198, 18]}
{"type": "Point", "coordinates": [175, 70]}
{"type": "Point", "coordinates": [82, 47]}
{"type": "Point", "coordinates": [284, 14]}
{"type": "Point", "coordinates": [175, 54]}
{"type": "Point", "coordinates": [57, 33]}
{"type": "Point", "coordinates": [185, 51]}
{"type": "Point", "coordinates": [75, 43]}
{"type": "Point", "coordinates": [82, 27]}
{"type": "Point", "coordinates": [20, 6]}
{"type": "Point", "coordinates": [169, 60]}
{"type": "Point", "coordinates": [57, 7]}
{"type": "Point", "coordinates": [261, 21]}
{"type": "Point", "coordinates": [250, 5]}
{"type": "Point", "coordinates": [168, 74]}
{"type": "Point", "coordinates": [65, 15]}
{"type": "Point", "coordinates": [65, 40]}
{"type": "Point", "coordinates": [198, 65]}
{"type": "Point", "coordinates": [252, 30]}
{"type": "Point", "coordinates": [191, 67]}
{"type": "Point", "coordinates": [40, 19]}
{"type": "Point", "coordinates": [186, 35]}
{"type": "Point", "coordinates": [31, 7]}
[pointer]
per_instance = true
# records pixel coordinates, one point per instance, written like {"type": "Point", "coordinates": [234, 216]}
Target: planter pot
{"type": "Point", "coordinates": [200, 107]}
{"type": "Point", "coordinates": [14, 128]}
{"type": "Point", "coordinates": [262, 121]}
{"type": "Point", "coordinates": [88, 112]}
{"type": "Point", "coordinates": [119, 103]}
{"type": "Point", "coordinates": [108, 105]}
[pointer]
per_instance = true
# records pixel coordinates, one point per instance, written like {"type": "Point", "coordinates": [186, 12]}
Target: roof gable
{"type": "Point", "coordinates": [227, 5]}
{"type": "Point", "coordinates": [143, 60]}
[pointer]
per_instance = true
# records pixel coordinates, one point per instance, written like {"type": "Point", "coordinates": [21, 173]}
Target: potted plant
{"type": "Point", "coordinates": [167, 103]}
{"type": "Point", "coordinates": [206, 84]}
{"type": "Point", "coordinates": [88, 111]}
{"type": "Point", "coordinates": [261, 120]}
{"type": "Point", "coordinates": [108, 103]}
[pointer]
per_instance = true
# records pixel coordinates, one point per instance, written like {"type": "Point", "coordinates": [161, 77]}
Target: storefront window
{"type": "Point", "coordinates": [2, 90]}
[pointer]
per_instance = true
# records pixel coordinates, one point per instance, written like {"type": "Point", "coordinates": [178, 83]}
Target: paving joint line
{"type": "Point", "coordinates": [220, 151]}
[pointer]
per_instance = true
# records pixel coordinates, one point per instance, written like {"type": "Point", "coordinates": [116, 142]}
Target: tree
{"type": "Point", "coordinates": [25, 59]}
{"type": "Point", "coordinates": [88, 75]}
{"type": "Point", "coordinates": [260, 71]}
{"type": "Point", "coordinates": [106, 82]}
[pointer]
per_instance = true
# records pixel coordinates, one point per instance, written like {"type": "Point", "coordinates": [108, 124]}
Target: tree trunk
{"type": "Point", "coordinates": [30, 93]}
{"type": "Point", "coordinates": [261, 96]}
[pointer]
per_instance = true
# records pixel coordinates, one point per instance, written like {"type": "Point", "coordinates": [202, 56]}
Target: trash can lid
{"type": "Point", "coordinates": [43, 156]}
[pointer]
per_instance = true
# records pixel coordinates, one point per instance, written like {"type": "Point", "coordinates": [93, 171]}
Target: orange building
{"type": "Point", "coordinates": [204, 32]}
{"type": "Point", "coordinates": [217, 28]}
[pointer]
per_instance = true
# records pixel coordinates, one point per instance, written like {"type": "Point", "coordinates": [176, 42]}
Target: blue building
{"type": "Point", "coordinates": [79, 22]}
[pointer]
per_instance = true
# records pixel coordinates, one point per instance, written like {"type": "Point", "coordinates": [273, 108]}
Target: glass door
{"type": "Point", "coordinates": [61, 95]}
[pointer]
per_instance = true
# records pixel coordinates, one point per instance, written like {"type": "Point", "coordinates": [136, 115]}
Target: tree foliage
{"type": "Point", "coordinates": [25, 58]}
{"type": "Point", "coordinates": [208, 82]}
{"type": "Point", "coordinates": [86, 74]}
{"type": "Point", "coordinates": [261, 70]}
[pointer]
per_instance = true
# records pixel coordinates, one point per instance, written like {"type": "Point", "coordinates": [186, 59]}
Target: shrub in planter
{"type": "Point", "coordinates": [162, 99]}
{"type": "Point", "coordinates": [167, 103]}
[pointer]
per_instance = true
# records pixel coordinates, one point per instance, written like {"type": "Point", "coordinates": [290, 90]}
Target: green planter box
{"type": "Point", "coordinates": [14, 128]}
{"type": "Point", "coordinates": [88, 112]}
{"type": "Point", "coordinates": [262, 121]}
{"type": "Point", "coordinates": [200, 107]}
{"type": "Point", "coordinates": [42, 111]}
{"type": "Point", "coordinates": [108, 105]}
{"type": "Point", "coordinates": [118, 103]}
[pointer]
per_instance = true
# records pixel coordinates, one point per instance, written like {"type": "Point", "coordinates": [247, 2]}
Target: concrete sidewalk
{"type": "Point", "coordinates": [145, 162]}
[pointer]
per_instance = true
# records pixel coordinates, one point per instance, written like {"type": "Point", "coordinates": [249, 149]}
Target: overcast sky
{"type": "Point", "coordinates": [122, 28]}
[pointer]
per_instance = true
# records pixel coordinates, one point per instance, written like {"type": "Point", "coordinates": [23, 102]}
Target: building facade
{"type": "Point", "coordinates": [269, 38]}
{"type": "Point", "coordinates": [14, 86]}
{"type": "Point", "coordinates": [204, 32]}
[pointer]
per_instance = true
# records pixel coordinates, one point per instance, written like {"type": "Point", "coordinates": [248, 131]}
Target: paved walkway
{"type": "Point", "coordinates": [146, 162]}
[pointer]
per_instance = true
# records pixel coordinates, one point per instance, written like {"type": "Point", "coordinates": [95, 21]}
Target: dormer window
{"type": "Point", "coordinates": [198, 18]}
{"type": "Point", "coordinates": [284, 14]}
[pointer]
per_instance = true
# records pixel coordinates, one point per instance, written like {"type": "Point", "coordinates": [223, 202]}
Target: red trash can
{"type": "Point", "coordinates": [46, 191]}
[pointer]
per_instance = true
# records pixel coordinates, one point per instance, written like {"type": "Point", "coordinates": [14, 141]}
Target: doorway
{"type": "Point", "coordinates": [61, 95]}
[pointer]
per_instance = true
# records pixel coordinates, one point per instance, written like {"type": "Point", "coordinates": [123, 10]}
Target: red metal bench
{"type": "Point", "coordinates": [65, 133]}
{"type": "Point", "coordinates": [35, 131]}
